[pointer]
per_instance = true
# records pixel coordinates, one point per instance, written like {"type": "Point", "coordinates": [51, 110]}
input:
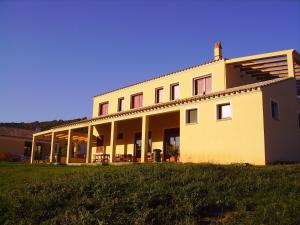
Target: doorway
{"type": "Point", "coordinates": [171, 144]}
{"type": "Point", "coordinates": [137, 146]}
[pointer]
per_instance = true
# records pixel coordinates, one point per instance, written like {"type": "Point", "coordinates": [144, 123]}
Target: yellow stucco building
{"type": "Point", "coordinates": [240, 110]}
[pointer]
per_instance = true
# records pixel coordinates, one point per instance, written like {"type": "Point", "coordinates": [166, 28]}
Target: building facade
{"type": "Point", "coordinates": [240, 110]}
{"type": "Point", "coordinates": [16, 144]}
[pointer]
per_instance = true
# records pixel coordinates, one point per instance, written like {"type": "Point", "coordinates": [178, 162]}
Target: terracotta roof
{"type": "Point", "coordinates": [229, 91]}
{"type": "Point", "coordinates": [15, 132]}
{"type": "Point", "coordinates": [156, 77]}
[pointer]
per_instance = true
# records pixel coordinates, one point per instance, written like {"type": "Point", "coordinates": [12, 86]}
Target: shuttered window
{"type": "Point", "coordinates": [137, 101]}
{"type": "Point", "coordinates": [103, 108]}
{"type": "Point", "coordinates": [202, 85]}
{"type": "Point", "coordinates": [191, 116]}
{"type": "Point", "coordinates": [174, 91]}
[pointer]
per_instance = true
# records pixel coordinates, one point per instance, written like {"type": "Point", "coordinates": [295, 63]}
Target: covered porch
{"type": "Point", "coordinates": [125, 140]}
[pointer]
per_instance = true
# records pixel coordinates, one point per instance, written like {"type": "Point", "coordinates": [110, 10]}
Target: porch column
{"type": "Point", "coordinates": [53, 146]}
{"type": "Point", "coordinates": [33, 148]}
{"type": "Point", "coordinates": [113, 138]}
{"type": "Point", "coordinates": [89, 144]}
{"type": "Point", "coordinates": [69, 148]}
{"type": "Point", "coordinates": [145, 138]}
{"type": "Point", "coordinates": [290, 63]}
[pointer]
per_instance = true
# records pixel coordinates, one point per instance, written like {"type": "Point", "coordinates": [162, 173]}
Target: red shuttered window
{"type": "Point", "coordinates": [103, 109]}
{"type": "Point", "coordinates": [137, 101]}
{"type": "Point", "coordinates": [202, 85]}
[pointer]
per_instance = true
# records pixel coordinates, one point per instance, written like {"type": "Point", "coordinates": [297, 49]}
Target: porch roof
{"type": "Point", "coordinates": [230, 91]}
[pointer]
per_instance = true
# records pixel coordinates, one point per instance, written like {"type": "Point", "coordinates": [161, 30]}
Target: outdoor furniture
{"type": "Point", "coordinates": [123, 158]}
{"type": "Point", "coordinates": [104, 159]}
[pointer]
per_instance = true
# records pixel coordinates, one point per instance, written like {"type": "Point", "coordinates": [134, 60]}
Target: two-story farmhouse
{"type": "Point", "coordinates": [240, 110]}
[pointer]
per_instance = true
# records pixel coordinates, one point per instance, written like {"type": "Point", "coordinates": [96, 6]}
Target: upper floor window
{"type": "Point", "coordinates": [274, 110]}
{"type": "Point", "coordinates": [103, 108]}
{"type": "Point", "coordinates": [121, 104]}
{"type": "Point", "coordinates": [224, 111]}
{"type": "Point", "coordinates": [174, 91]}
{"type": "Point", "coordinates": [202, 85]}
{"type": "Point", "coordinates": [159, 95]}
{"type": "Point", "coordinates": [136, 101]}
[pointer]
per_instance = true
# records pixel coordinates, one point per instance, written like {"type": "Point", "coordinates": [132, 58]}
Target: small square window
{"type": "Point", "coordinates": [224, 111]}
{"type": "Point", "coordinates": [120, 136]}
{"type": "Point", "coordinates": [191, 116]}
{"type": "Point", "coordinates": [275, 110]}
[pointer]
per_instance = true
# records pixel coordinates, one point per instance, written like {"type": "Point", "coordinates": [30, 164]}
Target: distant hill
{"type": "Point", "coordinates": [37, 125]}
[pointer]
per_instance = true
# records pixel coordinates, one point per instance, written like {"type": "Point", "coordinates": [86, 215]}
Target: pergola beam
{"type": "Point", "coordinates": [267, 61]}
{"type": "Point", "coordinates": [267, 70]}
{"type": "Point", "coordinates": [264, 66]}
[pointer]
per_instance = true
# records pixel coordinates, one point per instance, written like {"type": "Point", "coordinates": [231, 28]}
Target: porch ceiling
{"type": "Point", "coordinates": [76, 136]}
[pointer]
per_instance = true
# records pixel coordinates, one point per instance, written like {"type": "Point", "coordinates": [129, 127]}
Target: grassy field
{"type": "Point", "coordinates": [149, 194]}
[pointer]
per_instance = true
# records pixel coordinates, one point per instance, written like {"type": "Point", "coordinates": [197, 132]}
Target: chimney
{"type": "Point", "coordinates": [218, 51]}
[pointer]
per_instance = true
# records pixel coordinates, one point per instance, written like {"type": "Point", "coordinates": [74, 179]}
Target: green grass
{"type": "Point", "coordinates": [150, 194]}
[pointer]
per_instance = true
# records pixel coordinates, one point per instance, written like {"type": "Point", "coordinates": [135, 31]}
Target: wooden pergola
{"type": "Point", "coordinates": [269, 66]}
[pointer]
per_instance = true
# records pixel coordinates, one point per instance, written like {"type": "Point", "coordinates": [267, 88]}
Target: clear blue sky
{"type": "Point", "coordinates": [56, 55]}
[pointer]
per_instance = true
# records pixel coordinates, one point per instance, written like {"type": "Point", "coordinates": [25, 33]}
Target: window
{"type": "Point", "coordinates": [121, 103]}
{"type": "Point", "coordinates": [274, 110]}
{"type": "Point", "coordinates": [103, 108]}
{"type": "Point", "coordinates": [136, 101]}
{"type": "Point", "coordinates": [120, 136]}
{"type": "Point", "coordinates": [174, 91]}
{"type": "Point", "coordinates": [191, 116]}
{"type": "Point", "coordinates": [159, 95]}
{"type": "Point", "coordinates": [202, 85]}
{"type": "Point", "coordinates": [224, 111]}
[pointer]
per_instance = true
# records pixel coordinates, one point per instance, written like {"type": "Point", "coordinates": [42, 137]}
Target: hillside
{"type": "Point", "coordinates": [150, 194]}
{"type": "Point", "coordinates": [44, 125]}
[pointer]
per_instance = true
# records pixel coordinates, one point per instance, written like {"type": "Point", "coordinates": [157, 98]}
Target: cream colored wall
{"type": "Point", "coordinates": [105, 130]}
{"type": "Point", "coordinates": [157, 125]}
{"type": "Point", "coordinates": [283, 136]}
{"type": "Point", "coordinates": [235, 78]}
{"type": "Point", "coordinates": [238, 140]}
{"type": "Point", "coordinates": [185, 79]}
{"type": "Point", "coordinates": [128, 128]}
